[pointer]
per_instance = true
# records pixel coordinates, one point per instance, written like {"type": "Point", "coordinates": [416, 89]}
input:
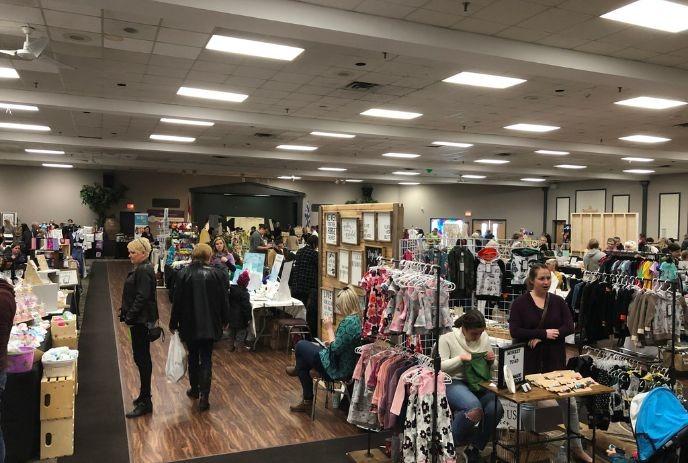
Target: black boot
{"type": "Point", "coordinates": [136, 401]}
{"type": "Point", "coordinates": [192, 393]}
{"type": "Point", "coordinates": [205, 378]}
{"type": "Point", "coordinates": [143, 407]}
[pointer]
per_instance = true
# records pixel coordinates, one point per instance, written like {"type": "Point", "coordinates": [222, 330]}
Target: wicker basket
{"type": "Point", "coordinates": [533, 453]}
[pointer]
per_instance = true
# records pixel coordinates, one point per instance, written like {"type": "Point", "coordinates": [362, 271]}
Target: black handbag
{"type": "Point", "coordinates": [155, 332]}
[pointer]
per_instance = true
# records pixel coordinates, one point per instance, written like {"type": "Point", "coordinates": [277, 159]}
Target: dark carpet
{"type": "Point", "coordinates": [100, 432]}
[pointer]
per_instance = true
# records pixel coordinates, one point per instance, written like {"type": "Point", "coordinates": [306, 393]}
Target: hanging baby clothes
{"type": "Point", "coordinates": [376, 300]}
{"type": "Point", "coordinates": [490, 274]}
{"type": "Point", "coordinates": [521, 258]}
{"type": "Point", "coordinates": [461, 271]}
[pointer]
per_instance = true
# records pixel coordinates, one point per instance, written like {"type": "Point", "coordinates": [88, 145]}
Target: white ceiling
{"type": "Point", "coordinates": [576, 65]}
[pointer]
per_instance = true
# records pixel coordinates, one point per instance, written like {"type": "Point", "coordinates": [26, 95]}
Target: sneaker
{"type": "Point", "coordinates": [144, 407]}
{"type": "Point", "coordinates": [472, 455]}
{"type": "Point", "coordinates": [304, 407]}
{"type": "Point", "coordinates": [291, 371]}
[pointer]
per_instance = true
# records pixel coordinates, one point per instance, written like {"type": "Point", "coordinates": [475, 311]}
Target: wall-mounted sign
{"type": "Point", "coordinates": [331, 264]}
{"type": "Point", "coordinates": [356, 267]}
{"type": "Point", "coordinates": [327, 304]}
{"type": "Point", "coordinates": [369, 226]}
{"type": "Point", "coordinates": [349, 231]}
{"type": "Point", "coordinates": [343, 265]}
{"type": "Point", "coordinates": [384, 226]}
{"type": "Point", "coordinates": [372, 255]}
{"type": "Point", "coordinates": [332, 228]}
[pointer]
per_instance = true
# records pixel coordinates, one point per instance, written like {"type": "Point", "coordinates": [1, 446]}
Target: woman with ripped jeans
{"type": "Point", "coordinates": [473, 409]}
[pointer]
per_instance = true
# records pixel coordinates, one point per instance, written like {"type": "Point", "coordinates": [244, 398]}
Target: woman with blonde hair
{"type": "Point", "coordinates": [338, 359]}
{"type": "Point", "coordinates": [139, 311]}
{"type": "Point", "coordinates": [221, 257]}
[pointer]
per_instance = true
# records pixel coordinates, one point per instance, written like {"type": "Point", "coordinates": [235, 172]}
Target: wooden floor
{"type": "Point", "coordinates": [249, 399]}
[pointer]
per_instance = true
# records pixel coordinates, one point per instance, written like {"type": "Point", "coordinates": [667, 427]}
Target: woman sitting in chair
{"type": "Point", "coordinates": [336, 361]}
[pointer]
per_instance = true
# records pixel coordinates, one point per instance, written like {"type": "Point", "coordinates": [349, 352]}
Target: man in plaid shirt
{"type": "Point", "coordinates": [304, 280]}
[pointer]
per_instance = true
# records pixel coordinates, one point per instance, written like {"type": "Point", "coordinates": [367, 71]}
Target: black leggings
{"type": "Point", "coordinates": [141, 349]}
{"type": "Point", "coordinates": [200, 364]}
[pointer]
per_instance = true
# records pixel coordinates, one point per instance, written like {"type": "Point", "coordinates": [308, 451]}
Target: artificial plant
{"type": "Point", "coordinates": [100, 198]}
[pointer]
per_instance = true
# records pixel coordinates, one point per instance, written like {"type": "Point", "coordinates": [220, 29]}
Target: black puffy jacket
{"type": "Point", "coordinates": [239, 307]}
{"type": "Point", "coordinates": [139, 302]}
{"type": "Point", "coordinates": [201, 303]}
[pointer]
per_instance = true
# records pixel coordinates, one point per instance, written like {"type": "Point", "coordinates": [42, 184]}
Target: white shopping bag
{"type": "Point", "coordinates": [176, 359]}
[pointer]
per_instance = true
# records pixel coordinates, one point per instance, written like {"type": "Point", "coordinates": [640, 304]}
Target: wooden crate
{"type": "Point", "coordinates": [71, 341]}
{"type": "Point", "coordinates": [57, 438]}
{"type": "Point", "coordinates": [57, 397]}
{"type": "Point", "coordinates": [69, 329]}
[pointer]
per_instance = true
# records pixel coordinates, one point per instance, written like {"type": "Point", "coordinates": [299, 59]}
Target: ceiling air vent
{"type": "Point", "coordinates": [358, 85]}
{"type": "Point", "coordinates": [263, 135]}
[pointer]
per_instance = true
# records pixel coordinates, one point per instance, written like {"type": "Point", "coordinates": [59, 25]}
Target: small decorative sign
{"type": "Point", "coordinates": [350, 231]}
{"type": "Point", "coordinates": [372, 255]}
{"type": "Point", "coordinates": [327, 304]}
{"type": "Point", "coordinates": [331, 264]}
{"type": "Point", "coordinates": [384, 226]}
{"type": "Point", "coordinates": [356, 267]}
{"type": "Point", "coordinates": [344, 266]}
{"type": "Point", "coordinates": [369, 226]}
{"type": "Point", "coordinates": [332, 228]}
{"type": "Point", "coordinates": [514, 357]}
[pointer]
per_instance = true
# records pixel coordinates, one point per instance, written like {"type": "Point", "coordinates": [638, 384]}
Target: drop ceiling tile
{"type": "Point", "coordinates": [192, 22]}
{"type": "Point", "coordinates": [562, 41]}
{"type": "Point", "coordinates": [283, 86]}
{"type": "Point", "coordinates": [131, 17]}
{"type": "Point", "coordinates": [635, 53]}
{"type": "Point", "coordinates": [166, 71]}
{"type": "Point", "coordinates": [600, 48]}
{"type": "Point", "coordinates": [73, 53]}
{"type": "Point", "coordinates": [593, 29]}
{"type": "Point", "coordinates": [555, 20]}
{"type": "Point", "coordinates": [509, 12]}
{"type": "Point", "coordinates": [666, 60]}
{"type": "Point", "coordinates": [434, 18]}
{"type": "Point", "coordinates": [90, 39]}
{"type": "Point", "coordinates": [253, 71]}
{"type": "Point", "coordinates": [72, 21]}
{"type": "Point", "coordinates": [204, 76]}
{"type": "Point", "coordinates": [181, 37]}
{"type": "Point", "coordinates": [169, 61]}
{"type": "Point", "coordinates": [314, 90]}
{"type": "Point", "coordinates": [383, 8]}
{"type": "Point", "coordinates": [116, 29]}
{"type": "Point", "coordinates": [110, 54]}
{"type": "Point", "coordinates": [70, 7]}
{"type": "Point", "coordinates": [243, 82]}
{"type": "Point", "coordinates": [22, 14]}
{"type": "Point", "coordinates": [450, 6]}
{"type": "Point", "coordinates": [177, 51]}
{"type": "Point", "coordinates": [596, 8]}
{"type": "Point", "coordinates": [140, 46]}
{"type": "Point", "coordinates": [413, 3]}
{"type": "Point", "coordinates": [525, 35]}
{"type": "Point", "coordinates": [479, 26]}
{"type": "Point", "coordinates": [292, 77]}
{"type": "Point", "coordinates": [341, 4]}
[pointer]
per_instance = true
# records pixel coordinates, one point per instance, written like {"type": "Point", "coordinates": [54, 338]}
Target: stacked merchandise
{"type": "Point", "coordinates": [562, 382]}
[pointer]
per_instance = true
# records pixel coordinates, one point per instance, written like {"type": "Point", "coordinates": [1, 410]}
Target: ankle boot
{"type": "Point", "coordinates": [192, 393]}
{"type": "Point", "coordinates": [304, 407]}
{"type": "Point", "coordinates": [143, 407]}
{"type": "Point", "coordinates": [203, 403]}
{"type": "Point", "coordinates": [205, 378]}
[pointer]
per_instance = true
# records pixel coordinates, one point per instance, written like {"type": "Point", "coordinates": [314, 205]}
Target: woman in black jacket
{"type": "Point", "coordinates": [26, 238]}
{"type": "Point", "coordinates": [200, 310]}
{"type": "Point", "coordinates": [140, 311]}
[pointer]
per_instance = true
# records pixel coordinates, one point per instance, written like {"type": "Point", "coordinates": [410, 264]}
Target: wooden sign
{"type": "Point", "coordinates": [343, 266]}
{"type": "Point", "coordinates": [327, 304]}
{"type": "Point", "coordinates": [356, 267]}
{"type": "Point", "coordinates": [372, 253]}
{"type": "Point", "coordinates": [350, 231]}
{"type": "Point", "coordinates": [42, 262]}
{"type": "Point", "coordinates": [332, 228]}
{"type": "Point", "coordinates": [514, 357]}
{"type": "Point", "coordinates": [331, 264]}
{"type": "Point", "coordinates": [384, 226]}
{"type": "Point", "coordinates": [369, 226]}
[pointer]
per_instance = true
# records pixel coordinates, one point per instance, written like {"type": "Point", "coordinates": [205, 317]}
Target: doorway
{"type": "Point", "coordinates": [558, 235]}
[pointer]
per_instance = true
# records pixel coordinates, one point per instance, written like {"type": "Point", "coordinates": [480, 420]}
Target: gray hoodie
{"type": "Point", "coordinates": [592, 259]}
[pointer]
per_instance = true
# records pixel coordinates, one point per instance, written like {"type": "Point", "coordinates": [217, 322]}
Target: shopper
{"type": "Point", "coordinates": [240, 314]}
{"type": "Point", "coordinates": [147, 234]}
{"type": "Point", "coordinates": [279, 249]}
{"type": "Point", "coordinates": [338, 359]}
{"type": "Point", "coordinates": [304, 281]}
{"type": "Point", "coordinates": [8, 309]}
{"type": "Point", "coordinates": [618, 243]}
{"type": "Point", "coordinates": [199, 311]}
{"type": "Point", "coordinates": [222, 258]}
{"type": "Point", "coordinates": [257, 240]}
{"type": "Point", "coordinates": [277, 231]}
{"type": "Point", "coordinates": [543, 320]}
{"type": "Point", "coordinates": [611, 245]}
{"type": "Point", "coordinates": [140, 312]}
{"type": "Point", "coordinates": [26, 238]}
{"type": "Point", "coordinates": [464, 351]}
{"type": "Point", "coordinates": [236, 253]}
{"type": "Point", "coordinates": [591, 259]}
{"type": "Point", "coordinates": [292, 240]}
{"type": "Point", "coordinates": [517, 240]}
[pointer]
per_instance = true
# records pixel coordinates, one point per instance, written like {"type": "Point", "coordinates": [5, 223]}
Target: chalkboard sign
{"type": "Point", "coordinates": [514, 357]}
{"type": "Point", "coordinates": [372, 254]}
{"type": "Point", "coordinates": [332, 228]}
{"type": "Point", "coordinates": [350, 231]}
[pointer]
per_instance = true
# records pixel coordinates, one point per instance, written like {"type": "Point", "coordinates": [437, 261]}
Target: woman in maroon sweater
{"type": "Point", "coordinates": [546, 349]}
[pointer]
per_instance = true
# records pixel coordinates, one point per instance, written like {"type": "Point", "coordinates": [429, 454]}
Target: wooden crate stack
{"type": "Point", "coordinates": [57, 415]}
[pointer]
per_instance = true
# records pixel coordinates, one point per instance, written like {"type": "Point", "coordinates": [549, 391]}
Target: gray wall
{"type": "Point", "coordinates": [667, 184]}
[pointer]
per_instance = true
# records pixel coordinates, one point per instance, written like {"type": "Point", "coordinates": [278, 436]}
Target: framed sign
{"type": "Point", "coordinates": [514, 357]}
{"type": "Point", "coordinates": [11, 216]}
{"type": "Point", "coordinates": [332, 228]}
{"type": "Point", "coordinates": [384, 226]}
{"type": "Point", "coordinates": [369, 226]}
{"type": "Point", "coordinates": [331, 264]}
{"type": "Point", "coordinates": [343, 265]}
{"type": "Point", "coordinates": [68, 278]}
{"type": "Point", "coordinates": [350, 231]}
{"type": "Point", "coordinates": [356, 267]}
{"type": "Point", "coordinates": [327, 304]}
{"type": "Point", "coordinates": [372, 255]}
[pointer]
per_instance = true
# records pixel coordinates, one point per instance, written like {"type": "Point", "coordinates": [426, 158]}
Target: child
{"type": "Point", "coordinates": [240, 314]}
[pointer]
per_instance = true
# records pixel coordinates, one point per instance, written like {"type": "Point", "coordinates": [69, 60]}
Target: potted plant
{"type": "Point", "coordinates": [100, 199]}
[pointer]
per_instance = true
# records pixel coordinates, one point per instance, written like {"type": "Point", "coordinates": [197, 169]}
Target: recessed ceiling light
{"type": "Point", "coordinates": [637, 159]}
{"type": "Point", "coordinates": [170, 120]}
{"type": "Point", "coordinates": [471, 176]}
{"type": "Point", "coordinates": [17, 126]}
{"type": "Point", "coordinates": [8, 73]}
{"type": "Point", "coordinates": [401, 155]}
{"type": "Point", "coordinates": [211, 94]}
{"type": "Point", "coordinates": [409, 183]}
{"type": "Point", "coordinates": [654, 14]}
{"type": "Point", "coordinates": [18, 107]}
{"type": "Point", "coordinates": [405, 172]}
{"type": "Point", "coordinates": [639, 171]}
{"type": "Point", "coordinates": [58, 166]}
{"type": "Point", "coordinates": [483, 80]}
{"type": "Point", "coordinates": [353, 180]}
{"type": "Point", "coordinates": [571, 166]}
{"type": "Point", "coordinates": [533, 179]}
{"type": "Point", "coordinates": [332, 169]}
{"type": "Point", "coordinates": [649, 102]}
{"type": "Point", "coordinates": [333, 135]}
{"type": "Point", "coordinates": [289, 177]}
{"type": "Point", "coordinates": [645, 139]}
{"type": "Point", "coordinates": [39, 151]}
{"type": "Point", "coordinates": [391, 114]}
{"type": "Point", "coordinates": [553, 153]}
{"type": "Point", "coordinates": [451, 143]}
{"type": "Point", "coordinates": [297, 147]}
{"type": "Point", "coordinates": [492, 161]}
{"type": "Point", "coordinates": [253, 48]}
{"type": "Point", "coordinates": [532, 127]}
{"type": "Point", "coordinates": [156, 136]}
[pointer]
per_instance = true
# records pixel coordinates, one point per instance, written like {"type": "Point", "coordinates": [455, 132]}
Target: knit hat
{"type": "Point", "coordinates": [243, 279]}
{"type": "Point", "coordinates": [141, 245]}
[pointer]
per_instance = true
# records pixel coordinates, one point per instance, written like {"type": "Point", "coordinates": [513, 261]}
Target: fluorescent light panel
{"type": "Point", "coordinates": [401, 155]}
{"type": "Point", "coordinates": [212, 94]}
{"type": "Point", "coordinates": [645, 139]}
{"type": "Point", "coordinates": [253, 48]}
{"type": "Point", "coordinates": [58, 166]}
{"type": "Point", "coordinates": [654, 14]}
{"type": "Point", "coordinates": [18, 107]}
{"type": "Point", "coordinates": [333, 135]}
{"type": "Point", "coordinates": [8, 73]}
{"type": "Point", "coordinates": [391, 114]}
{"type": "Point", "coordinates": [553, 153]}
{"type": "Point", "coordinates": [473, 177]}
{"type": "Point", "coordinates": [289, 177]}
{"type": "Point", "coordinates": [40, 151]}
{"type": "Point", "coordinates": [170, 120]}
{"type": "Point", "coordinates": [332, 169]}
{"type": "Point", "coordinates": [492, 161]}
{"type": "Point", "coordinates": [297, 147]}
{"type": "Point", "coordinates": [532, 179]}
{"type": "Point", "coordinates": [630, 159]}
{"type": "Point", "coordinates": [532, 127]}
{"type": "Point", "coordinates": [571, 166]}
{"type": "Point", "coordinates": [483, 80]}
{"type": "Point", "coordinates": [405, 172]}
{"type": "Point", "coordinates": [648, 102]}
{"type": "Point", "coordinates": [176, 138]}
{"type": "Point", "coordinates": [639, 171]}
{"type": "Point", "coordinates": [409, 183]}
{"type": "Point", "coordinates": [454, 144]}
{"type": "Point", "coordinates": [353, 180]}
{"type": "Point", "coordinates": [18, 126]}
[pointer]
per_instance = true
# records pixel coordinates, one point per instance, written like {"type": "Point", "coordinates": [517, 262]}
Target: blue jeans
{"type": "Point", "coordinates": [78, 255]}
{"type": "Point", "coordinates": [3, 382]}
{"type": "Point", "coordinates": [307, 358]}
{"type": "Point", "coordinates": [480, 406]}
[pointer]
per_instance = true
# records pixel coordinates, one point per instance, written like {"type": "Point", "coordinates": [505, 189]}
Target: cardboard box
{"type": "Point", "coordinates": [71, 341]}
{"type": "Point", "coordinates": [57, 438]}
{"type": "Point", "coordinates": [57, 397]}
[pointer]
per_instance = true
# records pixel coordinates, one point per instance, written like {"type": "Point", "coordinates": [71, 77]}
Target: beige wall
{"type": "Point", "coordinates": [667, 184]}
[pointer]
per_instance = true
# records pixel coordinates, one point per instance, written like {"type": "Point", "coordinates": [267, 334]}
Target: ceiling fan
{"type": "Point", "coordinates": [33, 49]}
